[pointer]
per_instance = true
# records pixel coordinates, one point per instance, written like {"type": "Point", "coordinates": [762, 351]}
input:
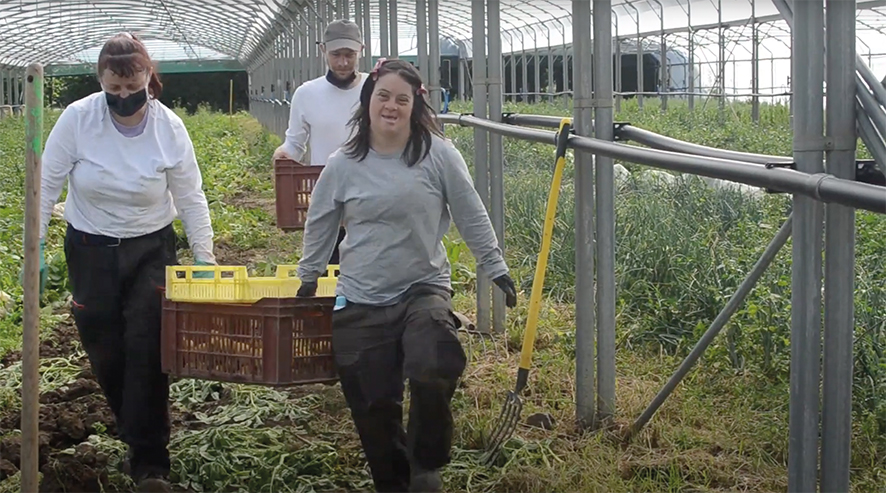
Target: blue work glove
{"type": "Point", "coordinates": [43, 272]}
{"type": "Point", "coordinates": [203, 274]}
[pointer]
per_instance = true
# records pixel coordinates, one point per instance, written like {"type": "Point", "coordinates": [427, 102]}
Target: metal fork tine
{"type": "Point", "coordinates": [507, 424]}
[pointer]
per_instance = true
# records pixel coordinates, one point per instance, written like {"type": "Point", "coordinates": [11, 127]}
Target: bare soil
{"type": "Point", "coordinates": [68, 416]}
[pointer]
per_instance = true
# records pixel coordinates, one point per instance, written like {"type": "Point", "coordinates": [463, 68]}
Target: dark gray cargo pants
{"type": "Point", "coordinates": [376, 349]}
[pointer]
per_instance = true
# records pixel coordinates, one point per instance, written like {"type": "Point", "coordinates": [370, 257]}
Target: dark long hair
{"type": "Point", "coordinates": [125, 54]}
{"type": "Point", "coordinates": [422, 121]}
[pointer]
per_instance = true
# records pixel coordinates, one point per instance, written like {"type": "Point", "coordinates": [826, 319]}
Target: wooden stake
{"type": "Point", "coordinates": [31, 284]}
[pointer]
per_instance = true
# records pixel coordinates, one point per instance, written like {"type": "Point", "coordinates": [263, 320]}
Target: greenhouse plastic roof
{"type": "Point", "coordinates": [72, 31]}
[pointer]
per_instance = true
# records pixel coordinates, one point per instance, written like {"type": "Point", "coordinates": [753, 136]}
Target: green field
{"type": "Point", "coordinates": [682, 249]}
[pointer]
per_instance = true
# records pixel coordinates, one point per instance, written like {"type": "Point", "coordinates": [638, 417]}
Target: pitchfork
{"type": "Point", "coordinates": [510, 414]}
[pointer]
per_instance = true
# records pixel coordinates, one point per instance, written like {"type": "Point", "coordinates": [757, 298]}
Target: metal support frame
{"type": "Point", "coordinates": [819, 186]}
{"type": "Point", "coordinates": [481, 145]}
{"type": "Point", "coordinates": [384, 31]}
{"type": "Point", "coordinates": [496, 150]}
{"type": "Point", "coordinates": [395, 34]}
{"type": "Point", "coordinates": [808, 75]}
{"type": "Point", "coordinates": [434, 54]}
{"type": "Point", "coordinates": [365, 63]}
{"type": "Point", "coordinates": [421, 31]}
{"type": "Point", "coordinates": [585, 386]}
{"type": "Point", "coordinates": [839, 250]}
{"type": "Point", "coordinates": [605, 234]}
{"type": "Point", "coordinates": [849, 80]}
{"type": "Point", "coordinates": [367, 36]}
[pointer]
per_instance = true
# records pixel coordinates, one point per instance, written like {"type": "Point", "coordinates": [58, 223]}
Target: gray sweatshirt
{"type": "Point", "coordinates": [395, 217]}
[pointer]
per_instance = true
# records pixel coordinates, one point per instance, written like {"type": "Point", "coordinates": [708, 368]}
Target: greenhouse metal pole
{"type": "Point", "coordinates": [304, 51]}
{"type": "Point", "coordinates": [383, 29]}
{"type": "Point", "coordinates": [722, 319]}
{"type": "Point", "coordinates": [585, 385]}
{"type": "Point", "coordinates": [807, 46]}
{"type": "Point", "coordinates": [868, 76]}
{"type": "Point", "coordinates": [869, 113]}
{"type": "Point", "coordinates": [869, 135]}
{"type": "Point", "coordinates": [16, 89]}
{"type": "Point", "coordinates": [314, 55]}
{"type": "Point", "coordinates": [839, 250]}
{"type": "Point", "coordinates": [395, 35]}
{"type": "Point", "coordinates": [367, 35]}
{"type": "Point", "coordinates": [421, 30]}
{"type": "Point", "coordinates": [434, 51]}
{"type": "Point", "coordinates": [755, 64]}
{"type": "Point", "coordinates": [31, 279]}
{"type": "Point", "coordinates": [496, 151]}
{"type": "Point", "coordinates": [605, 185]}
{"type": "Point", "coordinates": [819, 186]}
{"type": "Point", "coordinates": [365, 62]}
{"type": "Point", "coordinates": [481, 144]}
{"type": "Point", "coordinates": [871, 107]}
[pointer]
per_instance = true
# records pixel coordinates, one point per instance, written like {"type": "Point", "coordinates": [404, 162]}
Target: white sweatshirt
{"type": "Point", "coordinates": [124, 187]}
{"type": "Point", "coordinates": [319, 112]}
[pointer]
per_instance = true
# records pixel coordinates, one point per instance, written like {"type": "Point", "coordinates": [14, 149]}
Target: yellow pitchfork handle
{"type": "Point", "coordinates": [541, 265]}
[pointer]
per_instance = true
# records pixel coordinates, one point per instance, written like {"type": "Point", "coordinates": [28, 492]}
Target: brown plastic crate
{"type": "Point", "coordinates": [275, 341]}
{"type": "Point", "coordinates": [293, 184]}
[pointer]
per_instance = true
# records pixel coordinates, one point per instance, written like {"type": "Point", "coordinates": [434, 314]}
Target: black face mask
{"type": "Point", "coordinates": [339, 83]}
{"type": "Point", "coordinates": [129, 105]}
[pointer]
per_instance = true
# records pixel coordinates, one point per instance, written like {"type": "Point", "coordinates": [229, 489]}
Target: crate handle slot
{"type": "Point", "coordinates": [289, 271]}
{"type": "Point", "coordinates": [186, 272]}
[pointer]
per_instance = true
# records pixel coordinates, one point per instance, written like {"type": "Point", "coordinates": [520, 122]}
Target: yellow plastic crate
{"type": "Point", "coordinates": [232, 284]}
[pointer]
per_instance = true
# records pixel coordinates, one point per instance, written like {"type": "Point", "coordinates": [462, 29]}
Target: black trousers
{"type": "Point", "coordinates": [376, 349]}
{"type": "Point", "coordinates": [333, 260]}
{"type": "Point", "coordinates": [116, 287]}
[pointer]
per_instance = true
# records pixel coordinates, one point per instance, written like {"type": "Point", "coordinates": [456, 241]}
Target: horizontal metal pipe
{"type": "Point", "coordinates": [656, 141]}
{"type": "Point", "coordinates": [532, 135]}
{"type": "Point", "coordinates": [664, 143]}
{"type": "Point", "coordinates": [819, 186]}
{"type": "Point", "coordinates": [531, 120]}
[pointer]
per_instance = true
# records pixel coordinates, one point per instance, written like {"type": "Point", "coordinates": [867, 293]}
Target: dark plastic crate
{"type": "Point", "coordinates": [275, 341]}
{"type": "Point", "coordinates": [293, 184]}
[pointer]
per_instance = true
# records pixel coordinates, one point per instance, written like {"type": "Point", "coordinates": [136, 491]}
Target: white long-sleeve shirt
{"type": "Point", "coordinates": [318, 114]}
{"type": "Point", "coordinates": [125, 187]}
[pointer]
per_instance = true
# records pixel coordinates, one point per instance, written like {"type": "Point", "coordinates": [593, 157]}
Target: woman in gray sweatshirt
{"type": "Point", "coordinates": [396, 185]}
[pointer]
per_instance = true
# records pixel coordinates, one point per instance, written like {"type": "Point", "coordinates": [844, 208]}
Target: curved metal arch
{"type": "Point", "coordinates": [232, 28]}
{"type": "Point", "coordinates": [62, 47]}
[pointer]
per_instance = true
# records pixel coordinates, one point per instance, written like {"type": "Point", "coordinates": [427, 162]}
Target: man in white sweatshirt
{"type": "Point", "coordinates": [321, 107]}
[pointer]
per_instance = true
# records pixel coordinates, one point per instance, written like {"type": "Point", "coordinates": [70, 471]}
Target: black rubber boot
{"type": "Point", "coordinates": [154, 484]}
{"type": "Point", "coordinates": [424, 481]}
